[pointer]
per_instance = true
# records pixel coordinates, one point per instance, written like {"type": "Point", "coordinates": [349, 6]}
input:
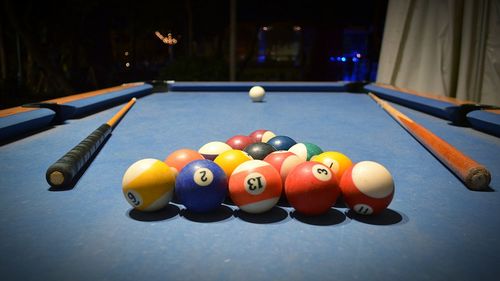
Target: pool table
{"type": "Point", "coordinates": [434, 229]}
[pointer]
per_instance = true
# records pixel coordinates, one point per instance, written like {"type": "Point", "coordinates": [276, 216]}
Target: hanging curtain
{"type": "Point", "coordinates": [443, 47]}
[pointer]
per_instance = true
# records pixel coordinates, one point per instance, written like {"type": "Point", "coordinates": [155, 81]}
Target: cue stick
{"type": "Point", "coordinates": [474, 175]}
{"type": "Point", "coordinates": [63, 171]}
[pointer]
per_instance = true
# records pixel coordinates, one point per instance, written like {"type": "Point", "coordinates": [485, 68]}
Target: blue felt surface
{"type": "Point", "coordinates": [268, 86]}
{"type": "Point", "coordinates": [485, 121]}
{"type": "Point", "coordinates": [436, 229]}
{"type": "Point", "coordinates": [24, 122]}
{"type": "Point", "coordinates": [437, 108]}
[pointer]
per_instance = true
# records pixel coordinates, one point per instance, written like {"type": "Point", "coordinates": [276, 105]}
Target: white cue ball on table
{"type": "Point", "coordinates": [257, 93]}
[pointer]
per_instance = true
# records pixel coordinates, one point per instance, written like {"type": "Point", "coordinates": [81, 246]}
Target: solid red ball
{"type": "Point", "coordinates": [311, 188]}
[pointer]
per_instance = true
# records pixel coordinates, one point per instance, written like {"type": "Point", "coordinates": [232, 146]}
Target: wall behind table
{"type": "Point", "coordinates": [446, 47]}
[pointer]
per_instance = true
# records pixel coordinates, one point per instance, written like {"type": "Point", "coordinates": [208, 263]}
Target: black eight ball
{"type": "Point", "coordinates": [259, 150]}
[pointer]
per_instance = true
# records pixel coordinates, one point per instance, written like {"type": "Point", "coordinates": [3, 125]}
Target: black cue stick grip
{"type": "Point", "coordinates": [61, 173]}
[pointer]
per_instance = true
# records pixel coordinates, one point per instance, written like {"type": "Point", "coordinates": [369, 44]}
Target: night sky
{"type": "Point", "coordinates": [57, 48]}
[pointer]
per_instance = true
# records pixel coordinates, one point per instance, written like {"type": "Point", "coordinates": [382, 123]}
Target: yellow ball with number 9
{"type": "Point", "coordinates": [148, 185]}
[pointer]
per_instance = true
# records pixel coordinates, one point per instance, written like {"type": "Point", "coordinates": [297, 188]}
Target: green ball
{"type": "Point", "coordinates": [305, 150]}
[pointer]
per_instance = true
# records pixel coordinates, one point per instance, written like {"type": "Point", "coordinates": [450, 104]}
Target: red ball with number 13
{"type": "Point", "coordinates": [255, 186]}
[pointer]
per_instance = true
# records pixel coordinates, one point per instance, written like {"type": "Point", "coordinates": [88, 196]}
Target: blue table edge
{"type": "Point", "coordinates": [481, 120]}
{"type": "Point", "coordinates": [19, 124]}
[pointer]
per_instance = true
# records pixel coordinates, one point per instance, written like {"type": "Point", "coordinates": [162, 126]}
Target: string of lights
{"type": "Point", "coordinates": [169, 39]}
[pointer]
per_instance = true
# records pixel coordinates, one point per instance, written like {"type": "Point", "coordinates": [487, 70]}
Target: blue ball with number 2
{"type": "Point", "coordinates": [201, 186]}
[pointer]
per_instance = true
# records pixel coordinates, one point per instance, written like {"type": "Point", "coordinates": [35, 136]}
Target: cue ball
{"type": "Point", "coordinates": [201, 186]}
{"type": "Point", "coordinates": [148, 185]}
{"type": "Point", "coordinates": [255, 186]}
{"type": "Point", "coordinates": [311, 188]}
{"type": "Point", "coordinates": [180, 158]}
{"type": "Point", "coordinates": [212, 149]}
{"type": "Point", "coordinates": [367, 187]}
{"type": "Point", "coordinates": [257, 93]}
{"type": "Point", "coordinates": [229, 160]}
{"type": "Point", "coordinates": [259, 150]}
{"type": "Point", "coordinates": [336, 161]}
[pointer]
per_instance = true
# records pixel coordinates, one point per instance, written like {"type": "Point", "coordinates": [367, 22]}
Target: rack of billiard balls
{"type": "Point", "coordinates": [255, 171]}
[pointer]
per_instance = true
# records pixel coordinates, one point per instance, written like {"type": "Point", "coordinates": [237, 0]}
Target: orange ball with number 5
{"type": "Point", "coordinates": [311, 188]}
{"type": "Point", "coordinates": [255, 186]}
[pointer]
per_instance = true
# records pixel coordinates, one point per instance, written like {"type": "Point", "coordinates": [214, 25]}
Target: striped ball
{"type": "Point", "coordinates": [367, 187]}
{"type": "Point", "coordinates": [212, 149]}
{"type": "Point", "coordinates": [255, 186]}
{"type": "Point", "coordinates": [283, 162]}
{"type": "Point", "coordinates": [262, 135]}
{"type": "Point", "coordinates": [305, 150]}
{"type": "Point", "coordinates": [148, 185]}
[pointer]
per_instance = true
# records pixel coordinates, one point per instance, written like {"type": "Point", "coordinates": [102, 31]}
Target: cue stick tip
{"type": "Point", "coordinates": [478, 178]}
{"type": "Point", "coordinates": [56, 178]}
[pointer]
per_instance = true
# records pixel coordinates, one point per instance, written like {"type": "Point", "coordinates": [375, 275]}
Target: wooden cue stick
{"type": "Point", "coordinates": [63, 171]}
{"type": "Point", "coordinates": [119, 115]}
{"type": "Point", "coordinates": [474, 175]}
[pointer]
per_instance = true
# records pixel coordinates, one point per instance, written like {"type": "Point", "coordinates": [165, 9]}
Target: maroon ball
{"type": "Point", "coordinates": [239, 142]}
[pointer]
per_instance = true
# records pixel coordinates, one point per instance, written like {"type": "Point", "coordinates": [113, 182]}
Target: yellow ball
{"type": "Point", "coordinates": [337, 162]}
{"type": "Point", "coordinates": [231, 159]}
{"type": "Point", "coordinates": [148, 185]}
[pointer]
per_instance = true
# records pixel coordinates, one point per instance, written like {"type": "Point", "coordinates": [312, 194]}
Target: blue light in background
{"type": "Point", "coordinates": [262, 45]}
{"type": "Point", "coordinates": [354, 57]}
